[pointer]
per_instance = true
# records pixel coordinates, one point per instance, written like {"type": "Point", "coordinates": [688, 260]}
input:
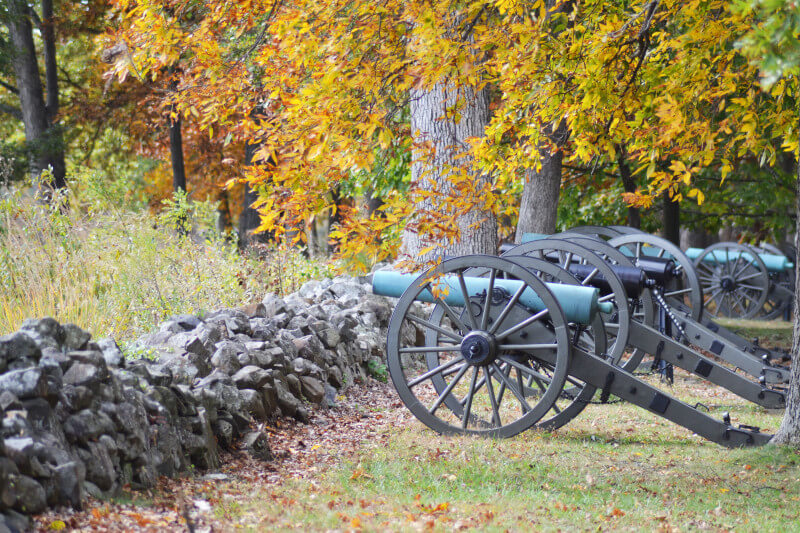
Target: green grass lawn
{"type": "Point", "coordinates": [616, 467]}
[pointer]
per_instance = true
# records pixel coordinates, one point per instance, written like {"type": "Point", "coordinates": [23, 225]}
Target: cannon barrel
{"type": "Point", "coordinates": [773, 262]}
{"type": "Point", "coordinates": [580, 304]}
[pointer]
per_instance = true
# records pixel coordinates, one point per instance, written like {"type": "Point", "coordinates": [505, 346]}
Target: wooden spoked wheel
{"type": "Point", "coordinates": [591, 338]}
{"type": "Point", "coordinates": [488, 347]}
{"type": "Point", "coordinates": [735, 280]}
{"type": "Point", "coordinates": [685, 291]}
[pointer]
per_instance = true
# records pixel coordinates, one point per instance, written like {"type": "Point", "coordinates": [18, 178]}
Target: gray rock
{"type": "Point", "coordinates": [86, 375]}
{"type": "Point", "coordinates": [46, 327]}
{"type": "Point", "coordinates": [19, 450]}
{"type": "Point", "coordinates": [16, 522]}
{"type": "Point", "coordinates": [75, 398]}
{"type": "Point", "coordinates": [257, 445]}
{"type": "Point", "coordinates": [9, 402]}
{"type": "Point", "coordinates": [15, 346]}
{"type": "Point", "coordinates": [190, 342]}
{"type": "Point", "coordinates": [99, 465]}
{"type": "Point", "coordinates": [112, 354]}
{"type": "Point", "coordinates": [313, 389]}
{"type": "Point", "coordinates": [335, 376]}
{"type": "Point", "coordinates": [25, 383]}
{"type": "Point", "coordinates": [186, 322]}
{"type": "Point", "coordinates": [273, 305]}
{"type": "Point", "coordinates": [68, 483]}
{"type": "Point", "coordinates": [294, 384]}
{"type": "Point", "coordinates": [226, 356]}
{"type": "Point", "coordinates": [286, 401]}
{"type": "Point", "coordinates": [251, 377]}
{"type": "Point", "coordinates": [75, 338]}
{"type": "Point", "coordinates": [330, 337]}
{"type": "Point", "coordinates": [256, 310]}
{"type": "Point", "coordinates": [87, 425]}
{"type": "Point", "coordinates": [29, 495]}
{"type": "Point", "coordinates": [330, 396]}
{"type": "Point", "coordinates": [270, 396]}
{"type": "Point", "coordinates": [253, 403]}
{"type": "Point", "coordinates": [156, 339]}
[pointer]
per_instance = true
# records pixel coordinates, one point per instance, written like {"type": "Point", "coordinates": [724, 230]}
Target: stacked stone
{"type": "Point", "coordinates": [77, 417]}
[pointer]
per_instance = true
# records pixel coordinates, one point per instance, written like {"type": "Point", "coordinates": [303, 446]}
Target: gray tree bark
{"type": "Point", "coordinates": [538, 208]}
{"type": "Point", "coordinates": [439, 142]}
{"type": "Point", "coordinates": [789, 431]}
{"type": "Point", "coordinates": [42, 135]}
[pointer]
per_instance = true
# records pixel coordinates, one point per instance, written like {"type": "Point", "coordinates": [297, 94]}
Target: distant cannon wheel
{"type": "Point", "coordinates": [685, 291]}
{"type": "Point", "coordinates": [780, 299]}
{"type": "Point", "coordinates": [591, 338]}
{"type": "Point", "coordinates": [734, 278]}
{"type": "Point", "coordinates": [627, 230]}
{"type": "Point", "coordinates": [604, 232]}
{"type": "Point", "coordinates": [568, 255]}
{"type": "Point", "coordinates": [489, 348]}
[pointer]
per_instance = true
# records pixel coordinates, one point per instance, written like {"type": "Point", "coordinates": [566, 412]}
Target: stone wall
{"type": "Point", "coordinates": [79, 417]}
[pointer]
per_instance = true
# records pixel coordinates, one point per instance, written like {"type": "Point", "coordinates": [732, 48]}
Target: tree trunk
{"type": "Point", "coordinates": [43, 138]}
{"type": "Point", "coordinates": [446, 140]}
{"type": "Point", "coordinates": [671, 229]}
{"type": "Point", "coordinates": [249, 219]}
{"type": "Point", "coordinates": [789, 431]}
{"type": "Point", "coordinates": [176, 154]}
{"type": "Point", "coordinates": [538, 209]}
{"type": "Point", "coordinates": [629, 184]}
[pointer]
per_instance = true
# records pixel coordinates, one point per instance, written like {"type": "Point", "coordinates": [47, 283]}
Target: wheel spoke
{"type": "Point", "coordinates": [492, 398]}
{"type": "Point", "coordinates": [426, 349]}
{"type": "Point", "coordinates": [446, 392]}
{"type": "Point", "coordinates": [429, 374]}
{"type": "Point", "coordinates": [468, 406]}
{"type": "Point", "coordinates": [525, 347]}
{"type": "Point", "coordinates": [680, 291]}
{"type": "Point", "coordinates": [592, 274]}
{"type": "Point", "coordinates": [510, 386]}
{"type": "Point", "coordinates": [507, 308]}
{"type": "Point", "coordinates": [434, 327]}
{"type": "Point", "coordinates": [467, 306]}
{"type": "Point", "coordinates": [751, 276]}
{"type": "Point", "coordinates": [452, 314]}
{"type": "Point", "coordinates": [487, 305]}
{"type": "Point", "coordinates": [524, 324]}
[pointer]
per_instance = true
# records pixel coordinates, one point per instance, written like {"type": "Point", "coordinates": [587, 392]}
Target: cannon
{"type": "Point", "coordinates": [689, 301]}
{"type": "Point", "coordinates": [744, 282]}
{"type": "Point", "coordinates": [659, 324]}
{"type": "Point", "coordinates": [490, 363]}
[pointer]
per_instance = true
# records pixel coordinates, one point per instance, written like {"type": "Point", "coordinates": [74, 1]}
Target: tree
{"type": "Point", "coordinates": [38, 107]}
{"type": "Point", "coordinates": [774, 45]}
{"type": "Point", "coordinates": [660, 80]}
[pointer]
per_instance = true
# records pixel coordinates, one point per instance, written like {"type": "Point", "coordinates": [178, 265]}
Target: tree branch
{"type": "Point", "coordinates": [11, 110]}
{"type": "Point", "coordinates": [9, 87]}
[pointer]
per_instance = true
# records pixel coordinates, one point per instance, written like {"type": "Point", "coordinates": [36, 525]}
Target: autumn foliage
{"type": "Point", "coordinates": [322, 88]}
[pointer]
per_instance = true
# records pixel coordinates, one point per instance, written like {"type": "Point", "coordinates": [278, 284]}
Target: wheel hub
{"type": "Point", "coordinates": [479, 348]}
{"type": "Point", "coordinates": [728, 284]}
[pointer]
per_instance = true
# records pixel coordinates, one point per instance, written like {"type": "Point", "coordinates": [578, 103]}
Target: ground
{"type": "Point", "coordinates": [367, 464]}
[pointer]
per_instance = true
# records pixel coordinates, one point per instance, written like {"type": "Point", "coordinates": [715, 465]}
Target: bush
{"type": "Point", "coordinates": [112, 267]}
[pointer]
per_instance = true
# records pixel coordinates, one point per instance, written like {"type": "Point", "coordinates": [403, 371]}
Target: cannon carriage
{"type": "Point", "coordinates": [505, 347]}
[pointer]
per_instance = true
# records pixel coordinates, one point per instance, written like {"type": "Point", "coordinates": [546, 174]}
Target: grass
{"type": "Point", "coordinates": [616, 467]}
{"type": "Point", "coordinates": [114, 268]}
{"type": "Point", "coordinates": [772, 333]}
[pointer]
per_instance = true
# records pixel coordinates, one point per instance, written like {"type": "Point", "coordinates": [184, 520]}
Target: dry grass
{"type": "Point", "coordinates": [118, 270]}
